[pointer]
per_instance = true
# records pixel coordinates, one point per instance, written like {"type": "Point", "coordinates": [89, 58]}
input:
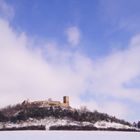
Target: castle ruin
{"type": "Point", "coordinates": [48, 103]}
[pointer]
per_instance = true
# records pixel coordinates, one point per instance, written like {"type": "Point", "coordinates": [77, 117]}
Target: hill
{"type": "Point", "coordinates": [22, 116]}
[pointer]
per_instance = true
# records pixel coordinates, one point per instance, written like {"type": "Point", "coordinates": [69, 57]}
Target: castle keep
{"type": "Point", "coordinates": [49, 102]}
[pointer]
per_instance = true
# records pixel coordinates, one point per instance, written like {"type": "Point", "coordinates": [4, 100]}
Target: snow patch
{"type": "Point", "coordinates": [104, 124]}
{"type": "Point", "coordinates": [51, 121]}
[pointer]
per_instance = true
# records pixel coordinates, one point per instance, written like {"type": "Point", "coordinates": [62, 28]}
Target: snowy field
{"type": "Point", "coordinates": [68, 135]}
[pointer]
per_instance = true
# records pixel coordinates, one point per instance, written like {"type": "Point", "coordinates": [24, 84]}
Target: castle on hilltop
{"type": "Point", "coordinates": [47, 103]}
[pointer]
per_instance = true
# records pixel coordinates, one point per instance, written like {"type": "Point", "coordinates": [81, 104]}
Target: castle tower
{"type": "Point", "coordinates": [66, 100]}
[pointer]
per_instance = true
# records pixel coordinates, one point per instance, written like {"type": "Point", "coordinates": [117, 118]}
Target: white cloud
{"type": "Point", "coordinates": [50, 72]}
{"type": "Point", "coordinates": [26, 74]}
{"type": "Point", "coordinates": [117, 109]}
{"type": "Point", "coordinates": [6, 11]}
{"type": "Point", "coordinates": [73, 35]}
{"type": "Point", "coordinates": [115, 70]}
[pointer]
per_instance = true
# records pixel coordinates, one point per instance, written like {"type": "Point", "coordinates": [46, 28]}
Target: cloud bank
{"type": "Point", "coordinates": [48, 71]}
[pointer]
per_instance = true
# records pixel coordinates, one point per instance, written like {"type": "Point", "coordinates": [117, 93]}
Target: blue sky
{"type": "Point", "coordinates": [100, 22]}
{"type": "Point", "coordinates": [86, 49]}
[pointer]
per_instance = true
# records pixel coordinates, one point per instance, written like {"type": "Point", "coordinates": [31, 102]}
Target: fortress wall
{"type": "Point", "coordinates": [49, 103]}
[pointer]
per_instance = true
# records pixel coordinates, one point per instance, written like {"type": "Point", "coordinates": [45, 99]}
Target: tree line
{"type": "Point", "coordinates": [22, 112]}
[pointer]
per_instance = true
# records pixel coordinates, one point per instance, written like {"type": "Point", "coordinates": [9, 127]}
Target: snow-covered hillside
{"type": "Point", "coordinates": [51, 121]}
{"type": "Point", "coordinates": [59, 118]}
